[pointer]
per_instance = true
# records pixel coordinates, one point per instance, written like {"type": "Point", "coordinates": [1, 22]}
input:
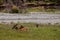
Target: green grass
{"type": "Point", "coordinates": [44, 32]}
{"type": "Point", "coordinates": [39, 9]}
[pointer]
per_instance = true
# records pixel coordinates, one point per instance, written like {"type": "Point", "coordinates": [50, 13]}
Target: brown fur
{"type": "Point", "coordinates": [24, 29]}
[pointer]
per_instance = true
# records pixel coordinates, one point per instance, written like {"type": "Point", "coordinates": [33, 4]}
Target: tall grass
{"type": "Point", "coordinates": [43, 32]}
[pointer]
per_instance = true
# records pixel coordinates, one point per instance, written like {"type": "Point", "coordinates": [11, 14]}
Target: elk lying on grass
{"type": "Point", "coordinates": [22, 28]}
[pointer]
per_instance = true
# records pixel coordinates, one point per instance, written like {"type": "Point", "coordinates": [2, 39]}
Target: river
{"type": "Point", "coordinates": [30, 17]}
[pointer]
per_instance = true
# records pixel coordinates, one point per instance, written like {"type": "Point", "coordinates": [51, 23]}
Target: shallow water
{"type": "Point", "coordinates": [35, 17]}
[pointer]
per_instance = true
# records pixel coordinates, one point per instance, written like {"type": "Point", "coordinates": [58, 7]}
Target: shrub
{"type": "Point", "coordinates": [1, 2]}
{"type": "Point", "coordinates": [14, 10]}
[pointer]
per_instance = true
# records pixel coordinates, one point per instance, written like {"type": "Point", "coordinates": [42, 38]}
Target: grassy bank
{"type": "Point", "coordinates": [39, 9]}
{"type": "Point", "coordinates": [33, 9]}
{"type": "Point", "coordinates": [43, 32]}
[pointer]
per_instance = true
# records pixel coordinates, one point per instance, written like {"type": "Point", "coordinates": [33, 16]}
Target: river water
{"type": "Point", "coordinates": [31, 17]}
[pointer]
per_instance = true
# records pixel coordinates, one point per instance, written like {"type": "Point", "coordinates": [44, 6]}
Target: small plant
{"type": "Point", "coordinates": [14, 10]}
{"type": "Point", "coordinates": [5, 11]}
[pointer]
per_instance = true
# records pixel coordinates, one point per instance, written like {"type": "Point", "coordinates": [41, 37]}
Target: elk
{"type": "Point", "coordinates": [22, 28]}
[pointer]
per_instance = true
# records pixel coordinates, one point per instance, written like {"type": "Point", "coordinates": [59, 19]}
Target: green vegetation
{"type": "Point", "coordinates": [43, 32]}
{"type": "Point", "coordinates": [1, 1]}
{"type": "Point", "coordinates": [14, 10]}
{"type": "Point", "coordinates": [39, 9]}
{"type": "Point", "coordinates": [21, 6]}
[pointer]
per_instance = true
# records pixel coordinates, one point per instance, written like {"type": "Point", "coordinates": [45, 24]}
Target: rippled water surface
{"type": "Point", "coordinates": [35, 17]}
